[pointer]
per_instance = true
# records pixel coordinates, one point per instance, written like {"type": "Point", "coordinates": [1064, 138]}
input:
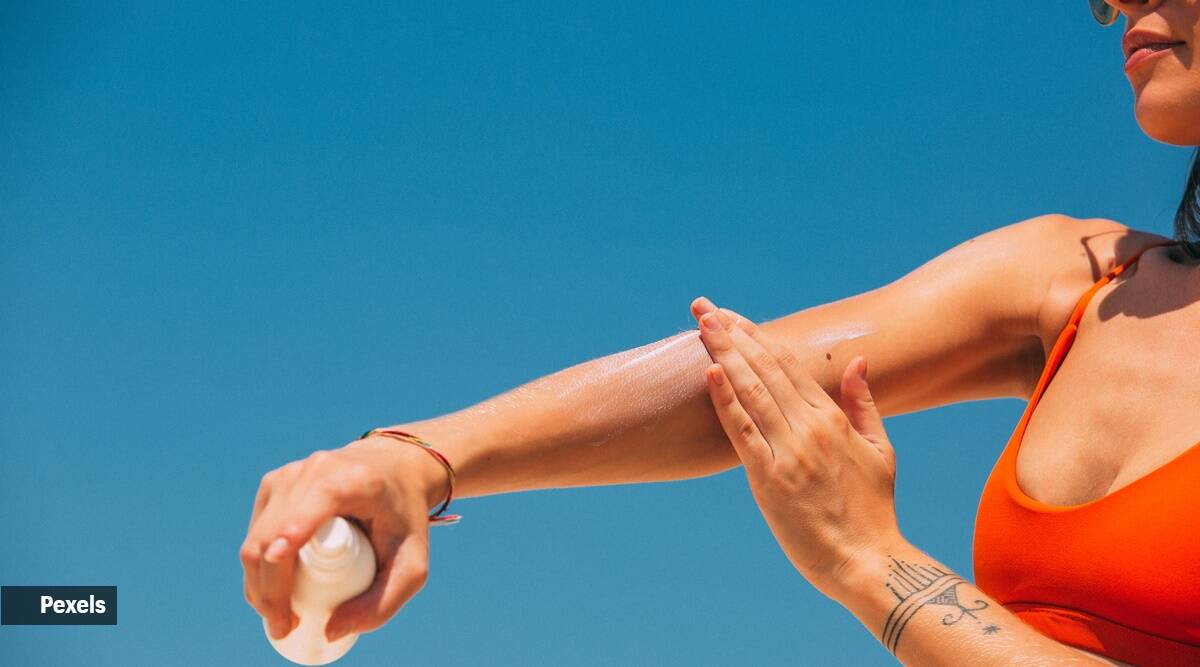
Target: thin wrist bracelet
{"type": "Point", "coordinates": [439, 517]}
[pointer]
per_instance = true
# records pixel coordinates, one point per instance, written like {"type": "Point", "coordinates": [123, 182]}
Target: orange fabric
{"type": "Point", "coordinates": [1118, 576]}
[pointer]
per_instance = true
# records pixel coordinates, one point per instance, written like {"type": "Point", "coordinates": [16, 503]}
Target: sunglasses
{"type": "Point", "coordinates": [1104, 13]}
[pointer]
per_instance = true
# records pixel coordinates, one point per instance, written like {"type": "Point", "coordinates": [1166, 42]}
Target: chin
{"type": "Point", "coordinates": [1169, 113]}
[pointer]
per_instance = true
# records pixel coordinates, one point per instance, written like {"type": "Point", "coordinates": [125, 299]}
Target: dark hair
{"type": "Point", "coordinates": [1187, 218]}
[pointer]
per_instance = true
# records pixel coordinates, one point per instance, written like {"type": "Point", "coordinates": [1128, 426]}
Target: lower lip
{"type": "Point", "coordinates": [1142, 55]}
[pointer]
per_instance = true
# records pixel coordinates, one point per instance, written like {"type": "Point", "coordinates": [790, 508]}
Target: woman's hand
{"type": "Point", "coordinates": [388, 486]}
{"type": "Point", "coordinates": [823, 475]}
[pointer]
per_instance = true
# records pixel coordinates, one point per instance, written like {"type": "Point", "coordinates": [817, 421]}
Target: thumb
{"type": "Point", "coordinates": [859, 406]}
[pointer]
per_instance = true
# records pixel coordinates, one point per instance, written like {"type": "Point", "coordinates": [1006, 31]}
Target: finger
{"type": "Point", "coordinates": [275, 584]}
{"type": "Point", "coordinates": [287, 526]}
{"type": "Point", "coordinates": [767, 368]}
{"type": "Point", "coordinates": [801, 379]}
{"type": "Point", "coordinates": [701, 305]}
{"type": "Point", "coordinates": [250, 552]}
{"type": "Point", "coordinates": [250, 555]}
{"type": "Point", "coordinates": [402, 573]}
{"type": "Point", "coordinates": [860, 408]}
{"type": "Point", "coordinates": [753, 393]}
{"type": "Point", "coordinates": [754, 450]}
{"type": "Point", "coordinates": [732, 319]}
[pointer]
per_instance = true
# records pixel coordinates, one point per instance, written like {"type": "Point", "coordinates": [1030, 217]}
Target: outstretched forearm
{"type": "Point", "coordinates": [636, 416]}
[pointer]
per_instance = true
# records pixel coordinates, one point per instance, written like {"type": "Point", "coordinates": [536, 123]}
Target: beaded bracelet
{"type": "Point", "coordinates": [438, 518]}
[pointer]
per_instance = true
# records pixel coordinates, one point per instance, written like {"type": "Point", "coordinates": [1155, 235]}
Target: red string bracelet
{"type": "Point", "coordinates": [438, 518]}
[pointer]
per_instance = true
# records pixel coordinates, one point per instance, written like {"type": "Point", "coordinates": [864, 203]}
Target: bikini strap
{"type": "Point", "coordinates": [1067, 335]}
{"type": "Point", "coordinates": [1081, 305]}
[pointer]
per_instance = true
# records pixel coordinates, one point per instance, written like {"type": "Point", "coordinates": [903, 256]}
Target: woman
{"type": "Point", "coordinates": [1083, 548]}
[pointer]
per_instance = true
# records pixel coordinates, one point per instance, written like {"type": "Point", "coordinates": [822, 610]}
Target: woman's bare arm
{"type": "Point", "coordinates": [968, 324]}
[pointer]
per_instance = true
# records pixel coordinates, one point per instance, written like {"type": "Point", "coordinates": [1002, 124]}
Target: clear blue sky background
{"type": "Point", "coordinates": [229, 237]}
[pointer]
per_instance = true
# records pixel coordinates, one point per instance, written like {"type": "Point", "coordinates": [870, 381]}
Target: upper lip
{"type": "Point", "coordinates": [1140, 37]}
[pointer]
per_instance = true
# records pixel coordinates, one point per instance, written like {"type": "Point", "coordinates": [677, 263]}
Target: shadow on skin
{"type": "Point", "coordinates": [1168, 291]}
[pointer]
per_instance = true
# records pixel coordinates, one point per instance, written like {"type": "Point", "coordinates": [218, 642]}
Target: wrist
{"type": "Point", "coordinates": [865, 568]}
{"type": "Point", "coordinates": [462, 444]}
{"type": "Point", "coordinates": [415, 469]}
{"type": "Point", "coordinates": [432, 480]}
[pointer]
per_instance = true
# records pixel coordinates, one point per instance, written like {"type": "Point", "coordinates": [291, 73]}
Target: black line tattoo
{"type": "Point", "coordinates": [918, 585]}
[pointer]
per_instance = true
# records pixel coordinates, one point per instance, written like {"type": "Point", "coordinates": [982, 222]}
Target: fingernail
{"type": "Point", "coordinates": [731, 318]}
{"type": "Point", "coordinates": [279, 630]}
{"type": "Point", "coordinates": [275, 551]}
{"type": "Point", "coordinates": [711, 322]}
{"type": "Point", "coordinates": [337, 632]}
{"type": "Point", "coordinates": [705, 305]}
{"type": "Point", "coordinates": [718, 376]}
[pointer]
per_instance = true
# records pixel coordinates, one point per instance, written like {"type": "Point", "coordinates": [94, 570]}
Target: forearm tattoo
{"type": "Point", "coordinates": [918, 585]}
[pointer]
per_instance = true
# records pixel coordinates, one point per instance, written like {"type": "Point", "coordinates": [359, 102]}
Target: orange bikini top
{"type": "Point", "coordinates": [1118, 576]}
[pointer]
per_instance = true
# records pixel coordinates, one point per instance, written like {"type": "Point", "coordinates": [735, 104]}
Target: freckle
{"type": "Point", "coordinates": [828, 356]}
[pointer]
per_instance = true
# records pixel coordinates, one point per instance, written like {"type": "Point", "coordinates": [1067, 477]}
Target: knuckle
{"type": "Point", "coordinates": [779, 483]}
{"type": "Point", "coordinates": [805, 432]}
{"type": "Point", "coordinates": [765, 361]}
{"type": "Point", "coordinates": [268, 478]}
{"type": "Point", "coordinates": [287, 471]}
{"type": "Point", "coordinates": [249, 554]}
{"type": "Point", "coordinates": [720, 344]}
{"type": "Point", "coordinates": [320, 459]}
{"type": "Point", "coordinates": [787, 359]}
{"type": "Point", "coordinates": [267, 607]}
{"type": "Point", "coordinates": [746, 430]}
{"type": "Point", "coordinates": [833, 420]}
{"type": "Point", "coordinates": [799, 472]}
{"type": "Point", "coordinates": [758, 392]}
{"type": "Point", "coordinates": [293, 530]}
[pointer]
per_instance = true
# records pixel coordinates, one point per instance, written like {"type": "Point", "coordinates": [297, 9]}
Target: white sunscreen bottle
{"type": "Point", "coordinates": [337, 564]}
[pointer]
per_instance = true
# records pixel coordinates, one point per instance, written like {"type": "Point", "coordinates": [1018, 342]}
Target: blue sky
{"type": "Point", "coordinates": [231, 236]}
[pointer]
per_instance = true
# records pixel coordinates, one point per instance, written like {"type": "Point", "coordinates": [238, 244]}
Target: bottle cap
{"type": "Point", "coordinates": [331, 546]}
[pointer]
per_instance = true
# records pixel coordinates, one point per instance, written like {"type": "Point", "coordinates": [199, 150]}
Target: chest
{"type": "Point", "coordinates": [1125, 400]}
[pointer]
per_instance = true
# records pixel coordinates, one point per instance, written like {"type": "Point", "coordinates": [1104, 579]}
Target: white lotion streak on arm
{"type": "Point", "coordinates": [594, 401]}
{"type": "Point", "coordinates": [651, 379]}
{"type": "Point", "coordinates": [838, 335]}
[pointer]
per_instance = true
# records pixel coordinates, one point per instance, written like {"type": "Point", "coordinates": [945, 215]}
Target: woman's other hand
{"type": "Point", "coordinates": [388, 486]}
{"type": "Point", "coordinates": [823, 475]}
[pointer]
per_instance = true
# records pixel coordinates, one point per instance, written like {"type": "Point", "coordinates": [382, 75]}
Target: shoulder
{"type": "Point", "coordinates": [1059, 244]}
{"type": "Point", "coordinates": [1066, 256]}
{"type": "Point", "coordinates": [1092, 245]}
{"type": "Point", "coordinates": [1028, 275]}
{"type": "Point", "coordinates": [996, 301]}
